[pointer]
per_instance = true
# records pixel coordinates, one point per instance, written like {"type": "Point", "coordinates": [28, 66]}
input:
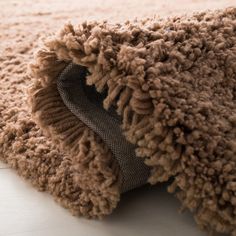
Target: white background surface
{"type": "Point", "coordinates": [148, 211]}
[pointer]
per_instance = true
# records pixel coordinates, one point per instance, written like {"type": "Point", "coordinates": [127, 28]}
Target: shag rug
{"type": "Point", "coordinates": [106, 107]}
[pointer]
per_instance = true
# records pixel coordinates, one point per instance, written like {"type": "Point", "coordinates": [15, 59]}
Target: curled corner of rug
{"type": "Point", "coordinates": [93, 173]}
{"type": "Point", "coordinates": [114, 97]}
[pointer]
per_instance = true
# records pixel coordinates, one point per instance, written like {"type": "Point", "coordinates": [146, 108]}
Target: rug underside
{"type": "Point", "coordinates": [86, 103]}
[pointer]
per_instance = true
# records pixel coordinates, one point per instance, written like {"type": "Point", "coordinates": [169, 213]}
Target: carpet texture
{"type": "Point", "coordinates": [169, 83]}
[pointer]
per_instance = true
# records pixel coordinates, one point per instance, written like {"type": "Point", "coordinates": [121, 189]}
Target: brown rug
{"type": "Point", "coordinates": [168, 89]}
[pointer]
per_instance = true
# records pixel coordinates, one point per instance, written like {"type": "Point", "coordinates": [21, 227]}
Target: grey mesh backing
{"type": "Point", "coordinates": [84, 102]}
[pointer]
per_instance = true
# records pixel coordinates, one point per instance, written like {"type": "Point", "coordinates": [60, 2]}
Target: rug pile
{"type": "Point", "coordinates": [106, 107]}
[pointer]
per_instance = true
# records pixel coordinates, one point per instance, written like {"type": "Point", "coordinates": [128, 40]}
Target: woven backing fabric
{"type": "Point", "coordinates": [71, 86]}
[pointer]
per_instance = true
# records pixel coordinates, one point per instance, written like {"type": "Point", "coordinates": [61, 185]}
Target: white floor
{"type": "Point", "coordinates": [149, 211]}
